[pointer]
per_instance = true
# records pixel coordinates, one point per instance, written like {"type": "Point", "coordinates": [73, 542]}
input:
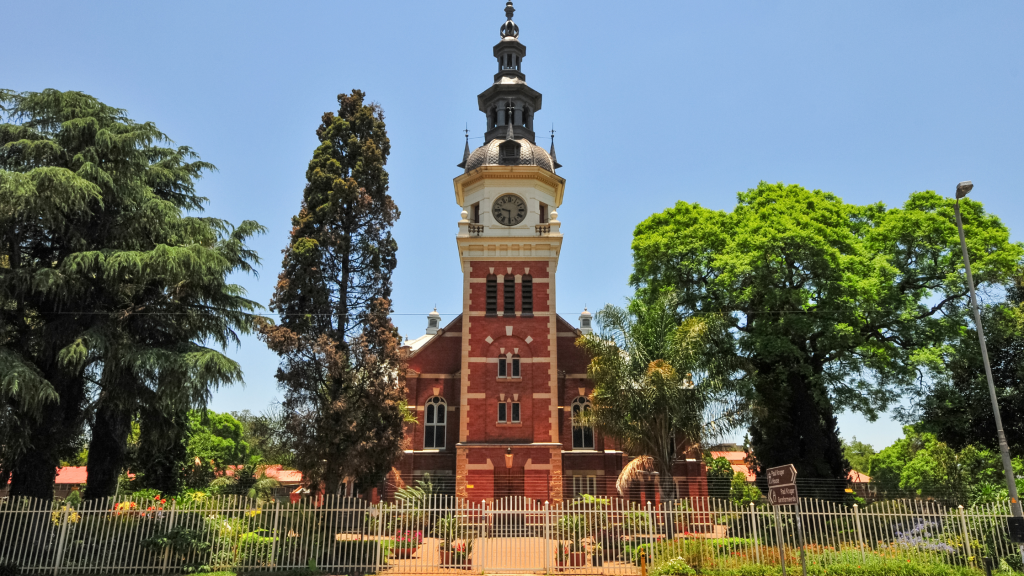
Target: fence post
{"type": "Point", "coordinates": [274, 534]}
{"type": "Point", "coordinates": [58, 561]}
{"type": "Point", "coordinates": [860, 532]}
{"type": "Point", "coordinates": [753, 523]}
{"type": "Point", "coordinates": [800, 535]}
{"type": "Point", "coordinates": [170, 526]}
{"type": "Point", "coordinates": [483, 540]}
{"type": "Point", "coordinates": [379, 514]}
{"type": "Point", "coordinates": [967, 535]}
{"type": "Point", "coordinates": [779, 540]}
{"type": "Point", "coordinates": [652, 527]}
{"type": "Point", "coordinates": [547, 538]}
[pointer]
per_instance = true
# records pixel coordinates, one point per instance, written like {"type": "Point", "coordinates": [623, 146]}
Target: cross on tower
{"type": "Point", "coordinates": [510, 112]}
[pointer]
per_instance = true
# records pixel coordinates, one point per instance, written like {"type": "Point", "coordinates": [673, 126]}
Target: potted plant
{"type": "Point", "coordinates": [597, 554]}
{"type": "Point", "coordinates": [406, 544]}
{"type": "Point", "coordinates": [572, 527]}
{"type": "Point", "coordinates": [455, 546]}
{"type": "Point", "coordinates": [568, 557]}
{"type": "Point", "coordinates": [460, 554]}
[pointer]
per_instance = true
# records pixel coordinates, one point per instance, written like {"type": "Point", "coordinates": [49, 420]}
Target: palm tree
{"type": "Point", "coordinates": [661, 387]}
{"type": "Point", "coordinates": [250, 481]}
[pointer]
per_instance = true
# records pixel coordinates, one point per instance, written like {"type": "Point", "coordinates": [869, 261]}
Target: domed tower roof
{"type": "Point", "coordinates": [509, 105]}
{"type": "Point", "coordinates": [493, 154]}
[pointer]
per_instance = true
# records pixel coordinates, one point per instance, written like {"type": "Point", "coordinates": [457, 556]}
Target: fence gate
{"type": "Point", "coordinates": [514, 537]}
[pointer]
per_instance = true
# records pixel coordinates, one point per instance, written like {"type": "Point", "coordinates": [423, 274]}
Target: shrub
{"type": "Point", "coordinates": [631, 552]}
{"type": "Point", "coordinates": [673, 567]}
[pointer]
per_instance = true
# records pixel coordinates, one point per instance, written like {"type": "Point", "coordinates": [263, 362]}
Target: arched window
{"type": "Point", "coordinates": [435, 416]}
{"type": "Point", "coordinates": [582, 436]}
{"type": "Point", "coordinates": [510, 295]}
{"type": "Point", "coordinates": [492, 295]}
{"type": "Point", "coordinates": [527, 289]}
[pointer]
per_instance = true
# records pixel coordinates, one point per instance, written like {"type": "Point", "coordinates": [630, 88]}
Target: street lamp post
{"type": "Point", "coordinates": [1017, 521]}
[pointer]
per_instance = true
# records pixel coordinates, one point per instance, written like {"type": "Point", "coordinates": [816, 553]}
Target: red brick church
{"type": "Point", "coordinates": [495, 390]}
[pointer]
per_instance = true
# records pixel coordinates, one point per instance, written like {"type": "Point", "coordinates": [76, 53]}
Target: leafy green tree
{"type": "Point", "coordinates": [957, 405]}
{"type": "Point", "coordinates": [922, 465]}
{"type": "Point", "coordinates": [828, 304]}
{"type": "Point", "coordinates": [205, 444]}
{"type": "Point", "coordinates": [657, 389]}
{"type": "Point", "coordinates": [720, 474]}
{"type": "Point", "coordinates": [341, 367]}
{"type": "Point", "coordinates": [111, 290]}
{"type": "Point", "coordinates": [216, 437]}
{"type": "Point", "coordinates": [267, 435]}
{"type": "Point", "coordinates": [741, 492]}
{"type": "Point", "coordinates": [858, 454]}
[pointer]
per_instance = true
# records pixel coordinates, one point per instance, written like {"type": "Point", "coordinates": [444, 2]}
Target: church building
{"type": "Point", "coordinates": [496, 389]}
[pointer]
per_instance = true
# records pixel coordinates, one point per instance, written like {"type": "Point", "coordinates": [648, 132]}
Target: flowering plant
{"type": "Point", "coordinates": [72, 516]}
{"type": "Point", "coordinates": [408, 539]}
{"type": "Point", "coordinates": [461, 551]}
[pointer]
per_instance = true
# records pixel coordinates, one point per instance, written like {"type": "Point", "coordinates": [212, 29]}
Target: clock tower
{"type": "Point", "coordinates": [497, 391]}
{"type": "Point", "coordinates": [509, 241]}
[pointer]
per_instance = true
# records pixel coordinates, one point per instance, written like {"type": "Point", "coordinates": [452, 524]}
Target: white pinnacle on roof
{"type": "Point", "coordinates": [433, 322]}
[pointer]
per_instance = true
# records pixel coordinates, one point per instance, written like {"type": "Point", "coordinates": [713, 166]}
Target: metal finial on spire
{"type": "Point", "coordinates": [465, 153]}
{"type": "Point", "coordinates": [509, 28]}
{"type": "Point", "coordinates": [554, 159]}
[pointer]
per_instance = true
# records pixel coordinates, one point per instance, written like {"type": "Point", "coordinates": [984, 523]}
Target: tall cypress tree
{"type": "Point", "coordinates": [340, 361]}
{"type": "Point", "coordinates": [109, 288]}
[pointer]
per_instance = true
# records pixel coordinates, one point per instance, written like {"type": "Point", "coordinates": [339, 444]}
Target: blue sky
{"type": "Point", "coordinates": [654, 102]}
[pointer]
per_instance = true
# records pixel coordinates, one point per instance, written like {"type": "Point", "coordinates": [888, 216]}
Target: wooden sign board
{"type": "Point", "coordinates": [782, 495]}
{"type": "Point", "coordinates": [782, 475]}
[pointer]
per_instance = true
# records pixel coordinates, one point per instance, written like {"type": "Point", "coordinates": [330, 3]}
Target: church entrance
{"type": "Point", "coordinates": [509, 486]}
{"type": "Point", "coordinates": [509, 482]}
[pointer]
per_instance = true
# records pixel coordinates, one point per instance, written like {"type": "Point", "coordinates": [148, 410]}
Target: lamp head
{"type": "Point", "coordinates": [963, 188]}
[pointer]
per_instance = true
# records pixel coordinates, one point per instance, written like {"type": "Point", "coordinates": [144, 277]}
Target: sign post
{"type": "Point", "coordinates": [782, 492]}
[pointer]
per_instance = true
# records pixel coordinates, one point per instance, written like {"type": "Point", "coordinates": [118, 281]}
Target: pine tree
{"type": "Point", "coordinates": [340, 361]}
{"type": "Point", "coordinates": [110, 288]}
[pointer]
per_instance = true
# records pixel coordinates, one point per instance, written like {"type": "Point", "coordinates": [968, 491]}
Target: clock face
{"type": "Point", "coordinates": [509, 209]}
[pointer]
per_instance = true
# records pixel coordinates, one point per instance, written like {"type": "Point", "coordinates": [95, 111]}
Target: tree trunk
{"type": "Point", "coordinates": [35, 472]}
{"type": "Point", "coordinates": [53, 437]}
{"type": "Point", "coordinates": [108, 450]}
{"type": "Point", "coordinates": [796, 424]}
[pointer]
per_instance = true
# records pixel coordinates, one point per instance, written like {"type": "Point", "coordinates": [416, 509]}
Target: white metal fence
{"type": "Point", "coordinates": [439, 533]}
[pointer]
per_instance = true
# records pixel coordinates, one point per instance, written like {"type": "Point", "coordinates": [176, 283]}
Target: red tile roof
{"type": "Point", "coordinates": [78, 475]}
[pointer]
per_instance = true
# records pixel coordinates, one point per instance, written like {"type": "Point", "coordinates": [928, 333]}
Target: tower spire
{"type": "Point", "coordinates": [465, 153]}
{"type": "Point", "coordinates": [554, 159]}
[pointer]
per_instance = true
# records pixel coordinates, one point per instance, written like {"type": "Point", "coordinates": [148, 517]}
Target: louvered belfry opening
{"type": "Point", "coordinates": [527, 289]}
{"type": "Point", "coordinates": [510, 295]}
{"type": "Point", "coordinates": [492, 295]}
